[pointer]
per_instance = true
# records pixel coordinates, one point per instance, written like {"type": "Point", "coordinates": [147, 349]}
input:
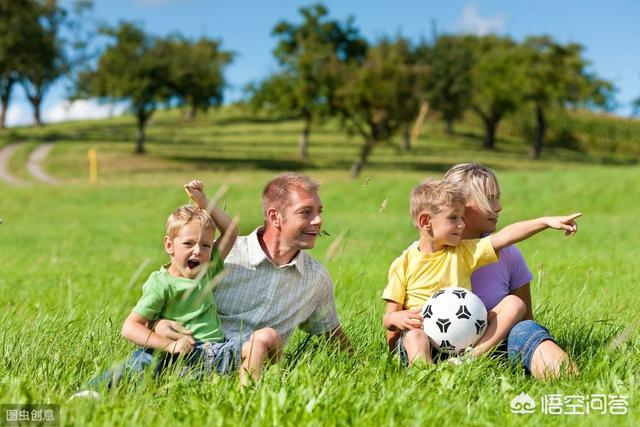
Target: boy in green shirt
{"type": "Point", "coordinates": [182, 291]}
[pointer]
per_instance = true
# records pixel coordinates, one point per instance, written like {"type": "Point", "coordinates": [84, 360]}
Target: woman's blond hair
{"type": "Point", "coordinates": [478, 181]}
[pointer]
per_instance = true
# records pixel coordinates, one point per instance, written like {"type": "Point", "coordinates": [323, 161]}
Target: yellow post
{"type": "Point", "coordinates": [93, 165]}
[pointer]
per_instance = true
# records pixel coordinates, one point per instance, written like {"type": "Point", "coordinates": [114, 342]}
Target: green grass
{"type": "Point", "coordinates": [70, 253]}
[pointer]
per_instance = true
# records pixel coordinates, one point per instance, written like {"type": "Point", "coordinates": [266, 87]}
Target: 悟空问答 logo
{"type": "Point", "coordinates": [522, 404]}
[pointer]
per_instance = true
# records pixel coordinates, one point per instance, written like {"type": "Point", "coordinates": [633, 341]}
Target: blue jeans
{"type": "Point", "coordinates": [221, 357]}
{"type": "Point", "coordinates": [521, 343]}
{"type": "Point", "coordinates": [523, 340]}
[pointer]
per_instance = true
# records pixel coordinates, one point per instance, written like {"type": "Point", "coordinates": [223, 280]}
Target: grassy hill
{"type": "Point", "coordinates": [74, 257]}
{"type": "Point", "coordinates": [233, 138]}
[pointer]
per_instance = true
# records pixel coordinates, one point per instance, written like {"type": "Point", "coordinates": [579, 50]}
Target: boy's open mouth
{"type": "Point", "coordinates": [193, 263]}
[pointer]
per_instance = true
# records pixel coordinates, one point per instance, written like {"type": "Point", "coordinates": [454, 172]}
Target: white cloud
{"type": "Point", "coordinates": [20, 114]}
{"type": "Point", "coordinates": [81, 109]}
{"type": "Point", "coordinates": [472, 23]}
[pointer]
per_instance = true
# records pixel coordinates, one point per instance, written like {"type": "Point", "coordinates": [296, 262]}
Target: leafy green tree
{"type": "Point", "coordinates": [413, 85]}
{"type": "Point", "coordinates": [635, 105]}
{"type": "Point", "coordinates": [448, 88]}
{"type": "Point", "coordinates": [306, 53]}
{"type": "Point", "coordinates": [497, 79]}
{"type": "Point", "coordinates": [196, 71]}
{"type": "Point", "coordinates": [46, 61]}
{"type": "Point", "coordinates": [378, 96]}
{"type": "Point", "coordinates": [133, 68]}
{"type": "Point", "coordinates": [18, 26]}
{"type": "Point", "coordinates": [555, 76]}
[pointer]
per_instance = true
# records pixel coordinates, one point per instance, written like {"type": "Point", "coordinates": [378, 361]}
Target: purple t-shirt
{"type": "Point", "coordinates": [495, 281]}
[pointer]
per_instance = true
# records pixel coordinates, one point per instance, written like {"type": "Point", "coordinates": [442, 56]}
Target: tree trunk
{"type": "Point", "coordinates": [491, 127]}
{"type": "Point", "coordinates": [142, 121]}
{"type": "Point", "coordinates": [303, 145]}
{"type": "Point", "coordinates": [449, 126]}
{"type": "Point", "coordinates": [35, 103]}
{"type": "Point", "coordinates": [5, 94]}
{"type": "Point", "coordinates": [191, 113]}
{"type": "Point", "coordinates": [541, 128]}
{"type": "Point", "coordinates": [406, 136]}
{"type": "Point", "coordinates": [357, 166]}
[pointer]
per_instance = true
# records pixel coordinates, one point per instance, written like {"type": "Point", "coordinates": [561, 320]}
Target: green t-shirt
{"type": "Point", "coordinates": [190, 302]}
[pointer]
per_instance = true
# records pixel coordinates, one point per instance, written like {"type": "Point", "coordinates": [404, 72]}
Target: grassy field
{"type": "Point", "coordinates": [74, 258]}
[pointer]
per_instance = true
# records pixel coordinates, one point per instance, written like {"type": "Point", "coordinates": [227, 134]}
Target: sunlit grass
{"type": "Point", "coordinates": [69, 253]}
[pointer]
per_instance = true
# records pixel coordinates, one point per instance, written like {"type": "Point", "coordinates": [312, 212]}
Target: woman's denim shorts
{"type": "Point", "coordinates": [521, 343]}
{"type": "Point", "coordinates": [523, 340]}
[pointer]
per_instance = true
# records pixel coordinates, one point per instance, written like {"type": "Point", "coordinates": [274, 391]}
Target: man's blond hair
{"type": "Point", "coordinates": [277, 192]}
{"type": "Point", "coordinates": [185, 215]}
{"type": "Point", "coordinates": [478, 181]}
{"type": "Point", "coordinates": [432, 196]}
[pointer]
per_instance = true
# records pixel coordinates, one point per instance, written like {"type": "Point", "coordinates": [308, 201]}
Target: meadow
{"type": "Point", "coordinates": [74, 258]}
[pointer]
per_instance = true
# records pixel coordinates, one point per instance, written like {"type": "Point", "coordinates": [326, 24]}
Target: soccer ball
{"type": "Point", "coordinates": [454, 319]}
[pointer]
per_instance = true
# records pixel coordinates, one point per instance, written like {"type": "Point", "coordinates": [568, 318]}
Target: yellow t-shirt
{"type": "Point", "coordinates": [415, 276]}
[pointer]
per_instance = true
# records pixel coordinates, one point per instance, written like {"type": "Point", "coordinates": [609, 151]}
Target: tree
{"type": "Point", "coordinates": [17, 27]}
{"type": "Point", "coordinates": [46, 61]}
{"type": "Point", "coordinates": [635, 105]}
{"type": "Point", "coordinates": [448, 88]}
{"type": "Point", "coordinates": [133, 68]}
{"type": "Point", "coordinates": [556, 75]}
{"type": "Point", "coordinates": [196, 71]}
{"type": "Point", "coordinates": [305, 53]}
{"type": "Point", "coordinates": [412, 86]}
{"type": "Point", "coordinates": [497, 81]}
{"type": "Point", "coordinates": [374, 96]}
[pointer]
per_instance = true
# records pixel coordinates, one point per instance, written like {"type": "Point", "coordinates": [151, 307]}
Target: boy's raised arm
{"type": "Point", "coordinates": [516, 232]}
{"type": "Point", "coordinates": [227, 226]}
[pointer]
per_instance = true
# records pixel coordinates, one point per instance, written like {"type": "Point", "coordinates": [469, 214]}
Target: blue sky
{"type": "Point", "coordinates": [608, 30]}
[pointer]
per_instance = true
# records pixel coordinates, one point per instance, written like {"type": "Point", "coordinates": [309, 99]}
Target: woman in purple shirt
{"type": "Point", "coordinates": [528, 342]}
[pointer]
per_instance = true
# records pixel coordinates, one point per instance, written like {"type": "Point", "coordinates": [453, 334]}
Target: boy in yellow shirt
{"type": "Point", "coordinates": [441, 259]}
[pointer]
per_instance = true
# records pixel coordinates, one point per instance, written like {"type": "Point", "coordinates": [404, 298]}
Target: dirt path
{"type": "Point", "coordinates": [34, 164]}
{"type": "Point", "coordinates": [5, 154]}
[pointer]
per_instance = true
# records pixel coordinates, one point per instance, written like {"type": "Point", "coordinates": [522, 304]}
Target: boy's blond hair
{"type": "Point", "coordinates": [432, 196]}
{"type": "Point", "coordinates": [185, 215]}
{"type": "Point", "coordinates": [478, 181]}
{"type": "Point", "coordinates": [277, 192]}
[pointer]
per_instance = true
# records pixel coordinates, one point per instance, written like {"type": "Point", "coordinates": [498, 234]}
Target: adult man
{"type": "Point", "coordinates": [269, 280]}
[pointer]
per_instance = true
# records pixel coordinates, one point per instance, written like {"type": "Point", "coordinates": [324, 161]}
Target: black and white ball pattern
{"type": "Point", "coordinates": [454, 319]}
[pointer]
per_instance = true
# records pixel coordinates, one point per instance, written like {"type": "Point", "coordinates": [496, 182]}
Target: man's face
{"type": "Point", "coordinates": [301, 220]}
{"type": "Point", "coordinates": [189, 250]}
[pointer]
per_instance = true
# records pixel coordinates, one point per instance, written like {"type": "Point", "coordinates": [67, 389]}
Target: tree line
{"type": "Point", "coordinates": [41, 42]}
{"type": "Point", "coordinates": [326, 69]}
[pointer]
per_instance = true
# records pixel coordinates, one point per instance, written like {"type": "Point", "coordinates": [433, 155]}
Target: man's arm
{"type": "Point", "coordinates": [135, 330]}
{"type": "Point", "coordinates": [227, 226]}
{"type": "Point", "coordinates": [516, 232]}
